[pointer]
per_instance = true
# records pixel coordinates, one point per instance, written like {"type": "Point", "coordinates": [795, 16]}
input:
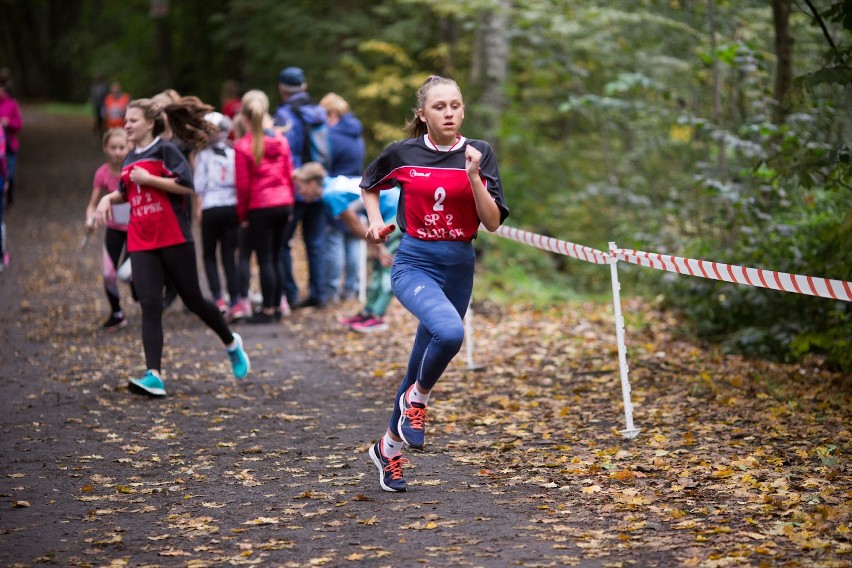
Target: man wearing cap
{"type": "Point", "coordinates": [296, 115]}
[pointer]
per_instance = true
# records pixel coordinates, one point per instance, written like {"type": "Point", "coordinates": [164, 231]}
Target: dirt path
{"type": "Point", "coordinates": [739, 463]}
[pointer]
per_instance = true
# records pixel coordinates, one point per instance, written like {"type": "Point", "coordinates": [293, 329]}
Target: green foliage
{"type": "Point", "coordinates": [67, 109]}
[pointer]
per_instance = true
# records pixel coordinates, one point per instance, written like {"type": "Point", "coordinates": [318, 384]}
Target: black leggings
{"type": "Point", "coordinates": [244, 262]}
{"type": "Point", "coordinates": [114, 242]}
{"type": "Point", "coordinates": [150, 268]}
{"type": "Point", "coordinates": [219, 227]}
{"type": "Point", "coordinates": [266, 235]}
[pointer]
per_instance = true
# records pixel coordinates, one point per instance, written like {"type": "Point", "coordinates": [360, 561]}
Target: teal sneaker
{"type": "Point", "coordinates": [150, 384]}
{"type": "Point", "coordinates": [239, 359]}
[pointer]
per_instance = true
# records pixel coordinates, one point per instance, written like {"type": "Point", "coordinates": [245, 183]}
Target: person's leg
{"type": "Point", "coordinates": [125, 257]}
{"type": "Point", "coordinates": [11, 168]}
{"type": "Point", "coordinates": [333, 257]}
{"type": "Point", "coordinates": [291, 288]}
{"type": "Point", "coordinates": [179, 264]}
{"type": "Point", "coordinates": [352, 262]}
{"type": "Point", "coordinates": [244, 262]}
{"type": "Point", "coordinates": [113, 248]}
{"type": "Point", "coordinates": [148, 273]}
{"type": "Point", "coordinates": [279, 227]}
{"type": "Point", "coordinates": [261, 239]}
{"type": "Point", "coordinates": [379, 291]}
{"type": "Point", "coordinates": [240, 304]}
{"type": "Point", "coordinates": [434, 282]}
{"type": "Point", "coordinates": [230, 232]}
{"type": "Point", "coordinates": [210, 234]}
{"type": "Point", "coordinates": [2, 224]}
{"type": "Point", "coordinates": [313, 229]}
{"type": "Point", "coordinates": [148, 282]}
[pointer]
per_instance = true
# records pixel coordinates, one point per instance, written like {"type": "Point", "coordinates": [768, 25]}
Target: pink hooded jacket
{"type": "Point", "coordinates": [12, 112]}
{"type": "Point", "coordinates": [264, 185]}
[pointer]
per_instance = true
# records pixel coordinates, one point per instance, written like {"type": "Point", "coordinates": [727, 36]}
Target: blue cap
{"type": "Point", "coordinates": [291, 76]}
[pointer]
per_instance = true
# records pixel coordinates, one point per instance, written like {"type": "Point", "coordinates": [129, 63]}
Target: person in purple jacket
{"type": "Point", "coordinates": [3, 255]}
{"type": "Point", "coordinates": [12, 122]}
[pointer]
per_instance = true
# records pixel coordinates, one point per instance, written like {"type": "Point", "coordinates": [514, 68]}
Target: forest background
{"type": "Point", "coordinates": [707, 129]}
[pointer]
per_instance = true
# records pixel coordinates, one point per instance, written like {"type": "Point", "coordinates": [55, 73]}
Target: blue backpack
{"type": "Point", "coordinates": [316, 140]}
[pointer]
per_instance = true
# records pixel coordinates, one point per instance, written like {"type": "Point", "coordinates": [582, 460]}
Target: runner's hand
{"type": "Point", "coordinates": [472, 157]}
{"type": "Point", "coordinates": [103, 213]}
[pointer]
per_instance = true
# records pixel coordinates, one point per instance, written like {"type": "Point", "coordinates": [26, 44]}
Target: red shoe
{"type": "Point", "coordinates": [370, 325]}
{"type": "Point", "coordinates": [357, 318]}
{"type": "Point", "coordinates": [238, 312]}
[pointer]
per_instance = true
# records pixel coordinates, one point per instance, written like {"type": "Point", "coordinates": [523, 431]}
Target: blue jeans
{"type": "Point", "coordinates": [312, 217]}
{"type": "Point", "coordinates": [379, 291]}
{"type": "Point", "coordinates": [11, 167]}
{"type": "Point", "coordinates": [342, 254]}
{"type": "Point", "coordinates": [434, 281]}
{"type": "Point", "coordinates": [2, 224]}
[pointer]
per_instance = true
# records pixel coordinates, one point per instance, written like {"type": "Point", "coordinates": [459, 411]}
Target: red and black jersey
{"type": "Point", "coordinates": [157, 218]}
{"type": "Point", "coordinates": [436, 202]}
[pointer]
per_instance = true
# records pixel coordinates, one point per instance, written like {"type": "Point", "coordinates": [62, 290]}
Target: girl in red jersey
{"type": "Point", "coordinates": [156, 179]}
{"type": "Point", "coordinates": [107, 178]}
{"type": "Point", "coordinates": [449, 185]}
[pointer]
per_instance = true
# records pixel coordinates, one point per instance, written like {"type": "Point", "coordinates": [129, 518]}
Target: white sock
{"type": "Point", "coordinates": [155, 372]}
{"type": "Point", "coordinates": [414, 395]}
{"type": "Point", "coordinates": [233, 344]}
{"type": "Point", "coordinates": [390, 447]}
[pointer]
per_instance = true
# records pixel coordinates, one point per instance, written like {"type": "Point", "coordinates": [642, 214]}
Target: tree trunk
{"type": "Point", "coordinates": [717, 87]}
{"type": "Point", "coordinates": [784, 56]}
{"type": "Point", "coordinates": [490, 66]}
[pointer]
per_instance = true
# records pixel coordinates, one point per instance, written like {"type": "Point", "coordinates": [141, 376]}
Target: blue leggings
{"type": "Point", "coordinates": [434, 281]}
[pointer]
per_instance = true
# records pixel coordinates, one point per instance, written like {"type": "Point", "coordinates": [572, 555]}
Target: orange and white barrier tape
{"type": "Point", "coordinates": [550, 244]}
{"type": "Point", "coordinates": [758, 277]}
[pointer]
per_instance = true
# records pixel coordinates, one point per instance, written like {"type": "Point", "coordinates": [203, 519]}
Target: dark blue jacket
{"type": "Point", "coordinates": [347, 147]}
{"type": "Point", "coordinates": [286, 115]}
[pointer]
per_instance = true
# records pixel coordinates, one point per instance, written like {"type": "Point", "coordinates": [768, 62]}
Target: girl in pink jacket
{"type": "Point", "coordinates": [264, 182]}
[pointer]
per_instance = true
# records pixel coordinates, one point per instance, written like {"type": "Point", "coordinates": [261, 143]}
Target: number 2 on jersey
{"type": "Point", "coordinates": [440, 196]}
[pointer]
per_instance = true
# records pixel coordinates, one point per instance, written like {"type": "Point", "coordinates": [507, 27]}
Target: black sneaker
{"type": "Point", "coordinates": [390, 469]}
{"type": "Point", "coordinates": [261, 317]}
{"type": "Point", "coordinates": [308, 303]}
{"type": "Point", "coordinates": [115, 322]}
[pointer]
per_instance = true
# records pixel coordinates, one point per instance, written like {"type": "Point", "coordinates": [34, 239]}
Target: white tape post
{"type": "Point", "coordinates": [630, 431]}
{"type": "Point", "coordinates": [757, 277]}
{"type": "Point", "coordinates": [594, 256]}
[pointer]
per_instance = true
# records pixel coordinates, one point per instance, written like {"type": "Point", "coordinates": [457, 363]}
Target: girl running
{"type": "Point", "coordinates": [156, 179]}
{"type": "Point", "coordinates": [265, 198]}
{"type": "Point", "coordinates": [449, 185]}
{"type": "Point", "coordinates": [107, 178]}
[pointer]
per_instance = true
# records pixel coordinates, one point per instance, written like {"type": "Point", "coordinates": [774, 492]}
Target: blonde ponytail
{"type": "Point", "coordinates": [255, 107]}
